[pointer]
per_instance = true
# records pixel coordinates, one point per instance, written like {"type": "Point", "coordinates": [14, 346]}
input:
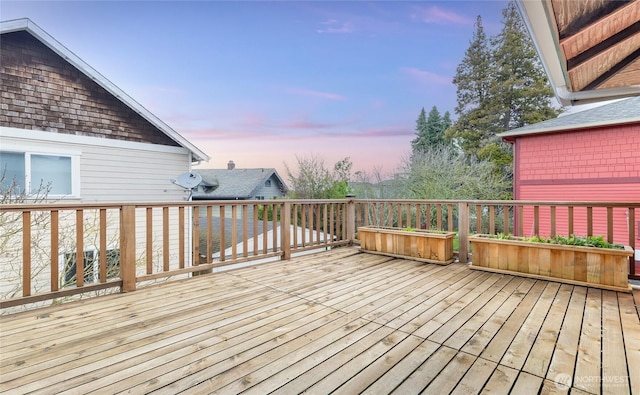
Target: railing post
{"type": "Point", "coordinates": [285, 229]}
{"type": "Point", "coordinates": [128, 248]}
{"type": "Point", "coordinates": [463, 232]}
{"type": "Point", "coordinates": [351, 219]}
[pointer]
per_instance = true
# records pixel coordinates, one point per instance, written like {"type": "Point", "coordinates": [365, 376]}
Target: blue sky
{"type": "Point", "coordinates": [262, 82]}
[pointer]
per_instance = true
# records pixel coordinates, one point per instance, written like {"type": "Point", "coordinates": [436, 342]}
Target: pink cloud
{"type": "Point", "coordinates": [426, 77]}
{"type": "Point", "coordinates": [437, 15]}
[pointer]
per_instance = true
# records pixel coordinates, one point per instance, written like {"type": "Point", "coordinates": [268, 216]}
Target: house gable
{"type": "Point", "coordinates": [42, 91]}
{"type": "Point", "coordinates": [113, 114]}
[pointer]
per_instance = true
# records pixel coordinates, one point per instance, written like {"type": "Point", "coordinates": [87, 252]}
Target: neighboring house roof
{"type": "Point", "coordinates": [588, 48]}
{"type": "Point", "coordinates": [28, 26]}
{"type": "Point", "coordinates": [620, 112]}
{"type": "Point", "coordinates": [235, 183]}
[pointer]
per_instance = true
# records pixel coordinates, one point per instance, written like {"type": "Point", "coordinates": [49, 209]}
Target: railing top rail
{"type": "Point", "coordinates": [200, 203]}
{"type": "Point", "coordinates": [627, 204]}
{"type": "Point", "coordinates": [99, 205]}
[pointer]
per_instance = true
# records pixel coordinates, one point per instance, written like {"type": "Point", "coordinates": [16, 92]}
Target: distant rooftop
{"type": "Point", "coordinates": [233, 183]}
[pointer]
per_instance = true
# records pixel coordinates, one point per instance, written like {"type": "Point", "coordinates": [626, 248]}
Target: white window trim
{"type": "Point", "coordinates": [36, 149]}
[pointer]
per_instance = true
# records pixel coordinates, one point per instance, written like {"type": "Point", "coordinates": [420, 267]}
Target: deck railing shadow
{"type": "Point", "coordinates": [126, 246]}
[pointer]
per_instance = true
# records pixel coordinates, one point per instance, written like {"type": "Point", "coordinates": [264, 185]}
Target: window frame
{"type": "Point", "coordinates": [28, 152]}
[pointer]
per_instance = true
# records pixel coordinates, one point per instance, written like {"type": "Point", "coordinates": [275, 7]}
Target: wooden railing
{"type": "Point", "coordinates": [616, 221]}
{"type": "Point", "coordinates": [124, 246]}
{"type": "Point", "coordinates": [152, 241]}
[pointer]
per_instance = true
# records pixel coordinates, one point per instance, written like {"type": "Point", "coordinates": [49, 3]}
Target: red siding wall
{"type": "Point", "coordinates": [601, 153]}
{"type": "Point", "coordinates": [600, 164]}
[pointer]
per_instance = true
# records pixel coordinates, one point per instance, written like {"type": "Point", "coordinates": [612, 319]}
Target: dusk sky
{"type": "Point", "coordinates": [261, 82]}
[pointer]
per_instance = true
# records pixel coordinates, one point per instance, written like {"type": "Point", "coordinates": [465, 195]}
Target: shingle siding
{"type": "Point", "coordinates": [41, 91]}
{"type": "Point", "coordinates": [603, 153]}
{"type": "Point", "coordinates": [597, 164]}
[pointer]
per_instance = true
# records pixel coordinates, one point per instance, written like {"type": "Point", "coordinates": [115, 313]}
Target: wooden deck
{"type": "Point", "coordinates": [339, 321]}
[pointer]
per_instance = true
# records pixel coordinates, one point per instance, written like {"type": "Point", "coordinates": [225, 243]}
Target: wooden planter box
{"type": "Point", "coordinates": [598, 267]}
{"type": "Point", "coordinates": [421, 245]}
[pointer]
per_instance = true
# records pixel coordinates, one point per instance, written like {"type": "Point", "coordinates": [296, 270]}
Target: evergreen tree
{"type": "Point", "coordinates": [419, 142]}
{"type": "Point", "coordinates": [500, 86]}
{"type": "Point", "coordinates": [473, 82]}
{"type": "Point", "coordinates": [430, 130]}
{"type": "Point", "coordinates": [520, 93]}
{"type": "Point", "coordinates": [473, 73]}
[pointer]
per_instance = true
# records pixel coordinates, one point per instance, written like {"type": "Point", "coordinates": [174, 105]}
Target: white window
{"type": "Point", "coordinates": [32, 171]}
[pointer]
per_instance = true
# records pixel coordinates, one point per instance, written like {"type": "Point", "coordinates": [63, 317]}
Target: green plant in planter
{"type": "Point", "coordinates": [572, 240]}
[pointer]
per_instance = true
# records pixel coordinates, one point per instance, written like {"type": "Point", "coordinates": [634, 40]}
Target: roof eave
{"type": "Point", "coordinates": [538, 18]}
{"type": "Point", "coordinates": [27, 25]}
{"type": "Point", "coordinates": [565, 128]}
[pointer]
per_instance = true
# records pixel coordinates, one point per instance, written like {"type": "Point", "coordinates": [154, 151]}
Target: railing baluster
{"type": "Point", "coordinates": [55, 249]}
{"type": "Point", "coordinates": [439, 216]}
{"type": "Point", "coordinates": [149, 234]}
{"type": "Point", "coordinates": [610, 224]}
{"type": "Point", "coordinates": [463, 232]}
{"type": "Point", "coordinates": [589, 221]}
{"type": "Point", "coordinates": [294, 223]}
{"type": "Point", "coordinates": [223, 241]}
{"type": "Point", "coordinates": [181, 237]}
{"type": "Point", "coordinates": [245, 230]}
{"type": "Point", "coordinates": [553, 220]}
{"type": "Point", "coordinates": [318, 223]}
{"type": "Point", "coordinates": [492, 219]}
{"type": "Point", "coordinates": [79, 248]}
{"type": "Point", "coordinates": [505, 219]}
{"type": "Point", "coordinates": [536, 220]}
{"type": "Point", "coordinates": [209, 257]}
{"type": "Point", "coordinates": [195, 253]}
{"type": "Point", "coordinates": [303, 224]}
{"type": "Point", "coordinates": [234, 232]}
{"type": "Point", "coordinates": [324, 223]}
{"type": "Point", "coordinates": [520, 209]}
{"type": "Point", "coordinates": [265, 228]}
{"type": "Point", "coordinates": [450, 217]}
{"type": "Point", "coordinates": [274, 226]}
{"type": "Point", "coordinates": [255, 230]}
{"type": "Point", "coordinates": [165, 239]}
{"type": "Point", "coordinates": [103, 245]}
{"type": "Point", "coordinates": [26, 253]}
{"type": "Point", "coordinates": [478, 218]}
{"type": "Point", "coordinates": [345, 226]}
{"type": "Point", "coordinates": [570, 219]}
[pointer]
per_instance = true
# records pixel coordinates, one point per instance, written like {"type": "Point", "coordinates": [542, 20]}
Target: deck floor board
{"type": "Point", "coordinates": [339, 322]}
